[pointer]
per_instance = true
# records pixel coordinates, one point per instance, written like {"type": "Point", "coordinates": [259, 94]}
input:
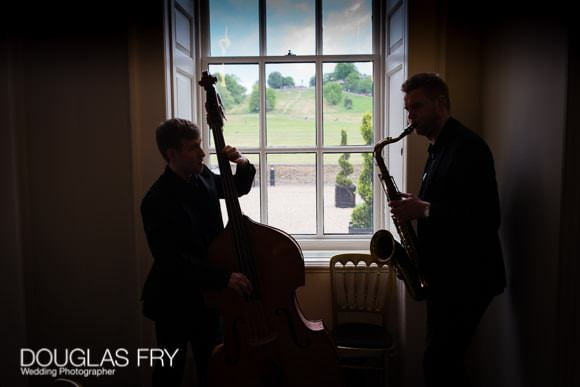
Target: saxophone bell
{"type": "Point", "coordinates": [383, 246]}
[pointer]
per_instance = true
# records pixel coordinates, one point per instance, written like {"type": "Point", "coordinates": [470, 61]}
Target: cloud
{"type": "Point", "coordinates": [299, 39]}
{"type": "Point", "coordinates": [224, 42]}
{"type": "Point", "coordinates": [348, 30]}
{"type": "Point", "coordinates": [355, 6]}
{"type": "Point", "coordinates": [283, 6]}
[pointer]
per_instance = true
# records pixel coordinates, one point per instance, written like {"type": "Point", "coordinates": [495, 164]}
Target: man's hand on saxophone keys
{"type": "Point", "coordinates": [409, 207]}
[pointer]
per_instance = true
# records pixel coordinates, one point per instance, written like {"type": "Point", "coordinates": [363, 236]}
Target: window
{"type": "Point", "coordinates": [305, 85]}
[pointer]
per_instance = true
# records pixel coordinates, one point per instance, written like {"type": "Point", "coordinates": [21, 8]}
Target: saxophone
{"type": "Point", "coordinates": [384, 247]}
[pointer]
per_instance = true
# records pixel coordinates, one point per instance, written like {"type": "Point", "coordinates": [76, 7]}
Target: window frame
{"type": "Point", "coordinates": [319, 241]}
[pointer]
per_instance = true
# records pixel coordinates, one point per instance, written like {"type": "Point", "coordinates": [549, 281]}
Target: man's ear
{"type": "Point", "coordinates": [441, 103]}
{"type": "Point", "coordinates": [171, 154]}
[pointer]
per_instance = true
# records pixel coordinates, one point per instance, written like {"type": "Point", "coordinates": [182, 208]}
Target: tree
{"type": "Point", "coordinates": [333, 92]}
{"type": "Point", "coordinates": [236, 89]}
{"type": "Point", "coordinates": [365, 85]}
{"type": "Point", "coordinates": [343, 70]}
{"type": "Point", "coordinates": [347, 103]}
{"type": "Point", "coordinates": [230, 90]}
{"type": "Point", "coordinates": [344, 196]}
{"type": "Point", "coordinates": [362, 215]}
{"type": "Point", "coordinates": [270, 99]}
{"type": "Point", "coordinates": [225, 96]}
{"type": "Point", "coordinates": [275, 80]}
{"type": "Point", "coordinates": [254, 105]}
{"type": "Point", "coordinates": [312, 82]}
{"type": "Point", "coordinates": [345, 165]}
{"type": "Point", "coordinates": [287, 82]}
{"type": "Point", "coordinates": [327, 77]}
{"type": "Point", "coordinates": [351, 82]}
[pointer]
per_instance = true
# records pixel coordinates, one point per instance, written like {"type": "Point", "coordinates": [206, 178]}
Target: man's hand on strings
{"type": "Point", "coordinates": [240, 283]}
{"type": "Point", "coordinates": [234, 155]}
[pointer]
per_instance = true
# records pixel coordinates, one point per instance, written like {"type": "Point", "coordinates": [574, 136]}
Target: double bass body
{"type": "Point", "coordinates": [267, 340]}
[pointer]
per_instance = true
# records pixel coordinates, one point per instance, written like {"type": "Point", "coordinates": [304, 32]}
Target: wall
{"type": "Point", "coordinates": [507, 76]}
{"type": "Point", "coordinates": [147, 109]}
{"type": "Point", "coordinates": [13, 332]}
{"type": "Point", "coordinates": [524, 110]}
{"type": "Point", "coordinates": [71, 108]}
{"type": "Point", "coordinates": [568, 330]}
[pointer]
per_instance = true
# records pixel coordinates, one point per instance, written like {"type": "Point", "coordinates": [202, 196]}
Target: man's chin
{"type": "Point", "coordinates": [198, 170]}
{"type": "Point", "coordinates": [420, 130]}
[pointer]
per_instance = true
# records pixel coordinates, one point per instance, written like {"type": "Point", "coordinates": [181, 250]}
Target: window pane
{"type": "Point", "coordinates": [348, 193]}
{"type": "Point", "coordinates": [290, 27]}
{"type": "Point", "coordinates": [292, 192]}
{"type": "Point", "coordinates": [347, 26]}
{"type": "Point", "coordinates": [347, 100]}
{"type": "Point", "coordinates": [237, 87]}
{"type": "Point", "coordinates": [290, 104]}
{"type": "Point", "coordinates": [233, 26]}
{"type": "Point", "coordinates": [249, 203]}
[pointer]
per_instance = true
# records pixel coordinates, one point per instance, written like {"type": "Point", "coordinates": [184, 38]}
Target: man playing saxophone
{"type": "Point", "coordinates": [457, 212]}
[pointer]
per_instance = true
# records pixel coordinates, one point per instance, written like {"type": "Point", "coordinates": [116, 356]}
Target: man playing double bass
{"type": "Point", "coordinates": [181, 215]}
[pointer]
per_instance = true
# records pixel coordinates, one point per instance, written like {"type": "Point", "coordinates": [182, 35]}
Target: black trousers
{"type": "Point", "coordinates": [451, 325]}
{"type": "Point", "coordinates": [172, 335]}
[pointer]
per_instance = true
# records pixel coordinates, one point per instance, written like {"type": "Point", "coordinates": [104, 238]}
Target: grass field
{"type": "Point", "coordinates": [292, 122]}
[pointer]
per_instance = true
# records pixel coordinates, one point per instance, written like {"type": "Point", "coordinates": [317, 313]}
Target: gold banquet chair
{"type": "Point", "coordinates": [361, 287]}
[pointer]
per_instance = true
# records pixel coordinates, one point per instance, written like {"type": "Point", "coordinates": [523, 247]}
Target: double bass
{"type": "Point", "coordinates": [267, 339]}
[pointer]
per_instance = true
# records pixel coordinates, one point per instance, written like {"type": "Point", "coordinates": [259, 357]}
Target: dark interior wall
{"type": "Point", "coordinates": [70, 100]}
{"type": "Point", "coordinates": [13, 332]}
{"type": "Point", "coordinates": [568, 330]}
{"type": "Point", "coordinates": [524, 120]}
{"type": "Point", "coordinates": [75, 143]}
{"type": "Point", "coordinates": [147, 92]}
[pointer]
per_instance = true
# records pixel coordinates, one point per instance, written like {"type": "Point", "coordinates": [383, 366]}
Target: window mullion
{"type": "Point", "coordinates": [263, 141]}
{"type": "Point", "coordinates": [318, 118]}
{"type": "Point", "coordinates": [319, 153]}
{"type": "Point", "coordinates": [262, 121]}
{"type": "Point", "coordinates": [318, 28]}
{"type": "Point", "coordinates": [380, 111]}
{"type": "Point", "coordinates": [262, 27]}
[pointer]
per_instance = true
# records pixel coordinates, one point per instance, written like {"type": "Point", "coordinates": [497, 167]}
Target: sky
{"type": "Point", "coordinates": [347, 28]}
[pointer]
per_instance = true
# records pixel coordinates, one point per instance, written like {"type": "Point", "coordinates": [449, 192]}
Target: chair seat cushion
{"type": "Point", "coordinates": [361, 335]}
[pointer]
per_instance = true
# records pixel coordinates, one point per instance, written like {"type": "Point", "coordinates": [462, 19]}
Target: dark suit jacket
{"type": "Point", "coordinates": [181, 219]}
{"type": "Point", "coordinates": [459, 247]}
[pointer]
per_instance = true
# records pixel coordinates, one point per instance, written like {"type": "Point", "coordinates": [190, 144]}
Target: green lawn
{"type": "Point", "coordinates": [292, 121]}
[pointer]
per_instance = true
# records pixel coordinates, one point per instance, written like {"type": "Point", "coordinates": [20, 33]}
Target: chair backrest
{"type": "Point", "coordinates": [361, 286]}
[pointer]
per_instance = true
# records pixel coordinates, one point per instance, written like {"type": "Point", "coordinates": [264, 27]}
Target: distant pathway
{"type": "Point", "coordinates": [291, 102]}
